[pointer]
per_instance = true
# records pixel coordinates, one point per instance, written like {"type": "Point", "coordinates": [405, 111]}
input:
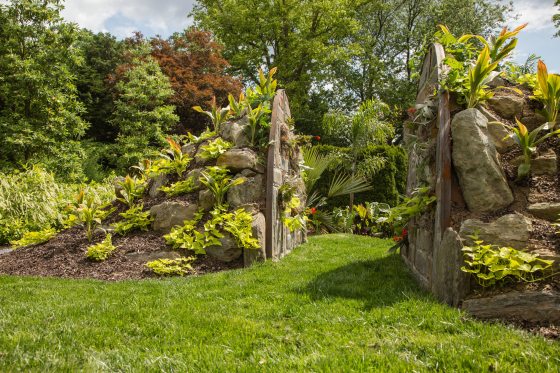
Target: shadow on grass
{"type": "Point", "coordinates": [377, 282]}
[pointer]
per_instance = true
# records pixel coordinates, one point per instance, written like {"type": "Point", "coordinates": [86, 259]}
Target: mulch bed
{"type": "Point", "coordinates": [64, 256]}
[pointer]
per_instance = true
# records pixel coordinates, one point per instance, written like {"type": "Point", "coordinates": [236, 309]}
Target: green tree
{"type": "Point", "coordinates": [298, 37]}
{"type": "Point", "coordinates": [141, 114]}
{"type": "Point", "coordinates": [369, 125]}
{"type": "Point", "coordinates": [39, 110]}
{"type": "Point", "coordinates": [556, 19]}
{"type": "Point", "coordinates": [102, 53]}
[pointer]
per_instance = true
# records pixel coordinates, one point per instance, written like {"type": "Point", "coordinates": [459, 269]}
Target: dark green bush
{"type": "Point", "coordinates": [388, 183]}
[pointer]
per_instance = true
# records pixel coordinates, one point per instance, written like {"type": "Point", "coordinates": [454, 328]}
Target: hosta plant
{"type": "Point", "coordinates": [491, 264]}
{"type": "Point", "coordinates": [217, 115]}
{"type": "Point", "coordinates": [133, 219]}
{"type": "Point", "coordinates": [131, 189]}
{"type": "Point", "coordinates": [238, 223]}
{"type": "Point", "coordinates": [180, 187]}
{"type": "Point", "coordinates": [548, 92]}
{"type": "Point", "coordinates": [214, 148]}
{"type": "Point", "coordinates": [528, 142]}
{"type": "Point", "coordinates": [172, 267]}
{"type": "Point", "coordinates": [34, 238]}
{"type": "Point", "coordinates": [190, 237]}
{"type": "Point", "coordinates": [101, 251]}
{"type": "Point", "coordinates": [218, 181]}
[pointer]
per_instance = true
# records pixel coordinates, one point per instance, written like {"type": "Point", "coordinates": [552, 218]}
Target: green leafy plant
{"type": "Point", "coordinates": [528, 142]}
{"type": "Point", "coordinates": [266, 89]}
{"type": "Point", "coordinates": [172, 267]}
{"type": "Point", "coordinates": [101, 251]}
{"type": "Point", "coordinates": [292, 214]}
{"type": "Point", "coordinates": [172, 160]}
{"type": "Point", "coordinates": [218, 181]}
{"type": "Point", "coordinates": [215, 148]}
{"type": "Point", "coordinates": [203, 136]}
{"type": "Point", "coordinates": [548, 92]}
{"type": "Point", "coordinates": [399, 216]}
{"type": "Point", "coordinates": [257, 120]}
{"type": "Point", "coordinates": [237, 107]}
{"type": "Point", "coordinates": [89, 211]}
{"type": "Point", "coordinates": [131, 189]}
{"type": "Point", "coordinates": [133, 219]}
{"type": "Point", "coordinates": [238, 224]}
{"type": "Point", "coordinates": [491, 264]}
{"type": "Point", "coordinates": [180, 187]}
{"type": "Point", "coordinates": [218, 116]}
{"type": "Point", "coordinates": [34, 238]}
{"type": "Point", "coordinates": [189, 237]}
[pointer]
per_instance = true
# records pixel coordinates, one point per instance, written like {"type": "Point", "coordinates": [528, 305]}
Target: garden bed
{"type": "Point", "coordinates": [65, 256]}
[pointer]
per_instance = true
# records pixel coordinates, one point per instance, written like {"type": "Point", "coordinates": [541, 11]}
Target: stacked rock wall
{"type": "Point", "coordinates": [470, 165]}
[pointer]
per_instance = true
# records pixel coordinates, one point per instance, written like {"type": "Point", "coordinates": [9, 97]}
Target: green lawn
{"type": "Point", "coordinates": [338, 303]}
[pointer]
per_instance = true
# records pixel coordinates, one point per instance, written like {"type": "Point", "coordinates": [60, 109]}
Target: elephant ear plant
{"type": "Point", "coordinates": [528, 142]}
{"type": "Point", "coordinates": [548, 92]}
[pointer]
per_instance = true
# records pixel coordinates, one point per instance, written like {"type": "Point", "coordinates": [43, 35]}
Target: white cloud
{"type": "Point", "coordinates": [123, 16]}
{"type": "Point", "coordinates": [538, 13]}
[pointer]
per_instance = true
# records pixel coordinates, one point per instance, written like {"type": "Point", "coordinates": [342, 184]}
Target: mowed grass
{"type": "Point", "coordinates": [338, 303]}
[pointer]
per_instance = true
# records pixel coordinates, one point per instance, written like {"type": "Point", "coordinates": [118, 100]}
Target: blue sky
{"type": "Point", "coordinates": [163, 17]}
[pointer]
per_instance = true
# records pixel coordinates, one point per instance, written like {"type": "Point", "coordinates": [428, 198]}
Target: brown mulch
{"type": "Point", "coordinates": [64, 256]}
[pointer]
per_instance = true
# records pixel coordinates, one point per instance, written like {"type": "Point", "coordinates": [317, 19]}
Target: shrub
{"type": "Point", "coordinates": [133, 219]}
{"type": "Point", "coordinates": [171, 267]}
{"type": "Point", "coordinates": [31, 200]}
{"type": "Point", "coordinates": [388, 182]}
{"type": "Point", "coordinates": [34, 238]}
{"type": "Point", "coordinates": [101, 251]}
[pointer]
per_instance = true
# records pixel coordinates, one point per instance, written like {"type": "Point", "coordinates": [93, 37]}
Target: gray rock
{"type": "Point", "coordinates": [449, 283]}
{"type": "Point", "coordinates": [251, 191]}
{"type": "Point", "coordinates": [195, 174]}
{"type": "Point", "coordinates": [498, 81]}
{"type": "Point", "coordinates": [545, 164]}
{"type": "Point", "coordinates": [513, 230]}
{"type": "Point", "coordinates": [5, 251]}
{"type": "Point", "coordinates": [498, 132]}
{"type": "Point", "coordinates": [236, 132]}
{"type": "Point", "coordinates": [259, 232]}
{"type": "Point", "coordinates": [227, 252]}
{"type": "Point", "coordinates": [532, 306]}
{"type": "Point", "coordinates": [170, 214]}
{"type": "Point", "coordinates": [206, 199]}
{"type": "Point", "coordinates": [145, 257]}
{"type": "Point", "coordinates": [156, 183]}
{"type": "Point", "coordinates": [240, 159]}
{"type": "Point", "coordinates": [198, 159]}
{"type": "Point", "coordinates": [189, 150]}
{"type": "Point", "coordinates": [545, 210]}
{"type": "Point", "coordinates": [481, 176]}
{"type": "Point", "coordinates": [507, 106]}
{"type": "Point", "coordinates": [533, 120]}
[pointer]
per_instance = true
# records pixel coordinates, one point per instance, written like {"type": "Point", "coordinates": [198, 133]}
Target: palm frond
{"type": "Point", "coordinates": [316, 163]}
{"type": "Point", "coordinates": [344, 184]}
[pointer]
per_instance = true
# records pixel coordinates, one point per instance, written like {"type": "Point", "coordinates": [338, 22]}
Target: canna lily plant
{"type": "Point", "coordinates": [528, 142]}
{"type": "Point", "coordinates": [548, 92]}
{"type": "Point", "coordinates": [217, 115]}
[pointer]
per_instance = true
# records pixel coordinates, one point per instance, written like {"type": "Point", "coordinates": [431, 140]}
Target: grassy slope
{"type": "Point", "coordinates": [336, 304]}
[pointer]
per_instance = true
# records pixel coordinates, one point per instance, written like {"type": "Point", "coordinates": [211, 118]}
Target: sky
{"type": "Point", "coordinates": [163, 17]}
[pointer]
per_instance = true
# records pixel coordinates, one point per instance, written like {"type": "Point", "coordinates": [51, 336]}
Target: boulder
{"type": "Point", "coordinates": [189, 150]}
{"type": "Point", "coordinates": [251, 191]}
{"type": "Point", "coordinates": [513, 230]}
{"type": "Point", "coordinates": [545, 164]}
{"type": "Point", "coordinates": [198, 159]}
{"type": "Point", "coordinates": [240, 159]}
{"type": "Point", "coordinates": [480, 173]}
{"type": "Point", "coordinates": [532, 306]}
{"type": "Point", "coordinates": [156, 183]}
{"type": "Point", "coordinates": [170, 214]}
{"type": "Point", "coordinates": [259, 232]}
{"type": "Point", "coordinates": [449, 283]}
{"type": "Point", "coordinates": [236, 132]}
{"type": "Point", "coordinates": [545, 210]}
{"type": "Point", "coordinates": [227, 252]}
{"type": "Point", "coordinates": [195, 174]}
{"type": "Point", "coordinates": [507, 106]}
{"type": "Point", "coordinates": [498, 132]}
{"type": "Point", "coordinates": [206, 199]}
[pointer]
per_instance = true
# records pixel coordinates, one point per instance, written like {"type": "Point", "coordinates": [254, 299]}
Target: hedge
{"type": "Point", "coordinates": [388, 183]}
